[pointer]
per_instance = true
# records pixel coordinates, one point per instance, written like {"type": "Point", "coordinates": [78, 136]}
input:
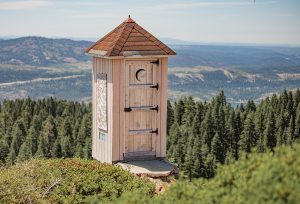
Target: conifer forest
{"type": "Point", "coordinates": [201, 135]}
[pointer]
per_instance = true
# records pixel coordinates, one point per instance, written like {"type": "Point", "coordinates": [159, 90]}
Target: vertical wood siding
{"type": "Point", "coordinates": [163, 103]}
{"type": "Point", "coordinates": [102, 149]}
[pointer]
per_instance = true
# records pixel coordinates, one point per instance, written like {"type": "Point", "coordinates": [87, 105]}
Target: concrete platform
{"type": "Point", "coordinates": [150, 168]}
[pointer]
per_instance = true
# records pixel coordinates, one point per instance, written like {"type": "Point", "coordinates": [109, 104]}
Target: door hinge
{"type": "Point", "coordinates": [154, 86]}
{"type": "Point", "coordinates": [155, 131]}
{"type": "Point", "coordinates": [154, 108]}
{"type": "Point", "coordinates": [127, 109]}
{"type": "Point", "coordinates": [155, 62]}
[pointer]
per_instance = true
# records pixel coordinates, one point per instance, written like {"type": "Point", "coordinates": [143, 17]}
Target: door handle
{"type": "Point", "coordinates": [154, 108]}
{"type": "Point", "coordinates": [154, 131]}
{"type": "Point", "coordinates": [154, 86]}
{"type": "Point", "coordinates": [127, 109]}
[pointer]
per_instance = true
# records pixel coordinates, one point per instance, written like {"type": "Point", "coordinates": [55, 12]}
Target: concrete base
{"type": "Point", "coordinates": [150, 168]}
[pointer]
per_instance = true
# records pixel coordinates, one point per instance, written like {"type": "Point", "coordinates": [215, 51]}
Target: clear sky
{"type": "Point", "coordinates": [229, 21]}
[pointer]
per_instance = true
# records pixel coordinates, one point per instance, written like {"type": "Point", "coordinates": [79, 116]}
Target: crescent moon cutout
{"type": "Point", "coordinates": [137, 73]}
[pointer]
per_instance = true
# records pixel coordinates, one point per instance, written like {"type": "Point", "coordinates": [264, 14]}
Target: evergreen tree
{"type": "Point", "coordinates": [25, 151]}
{"type": "Point", "coordinates": [11, 157]}
{"type": "Point", "coordinates": [42, 148]}
{"type": "Point", "coordinates": [57, 151]}
{"type": "Point", "coordinates": [210, 166]}
{"type": "Point", "coordinates": [49, 133]}
{"type": "Point", "coordinates": [17, 137]}
{"type": "Point", "coordinates": [198, 167]}
{"type": "Point", "coordinates": [188, 165]}
{"type": "Point", "coordinates": [218, 148]}
{"type": "Point", "coordinates": [297, 124]}
{"type": "Point", "coordinates": [269, 133]}
{"type": "Point", "coordinates": [170, 116]}
{"type": "Point", "coordinates": [67, 141]}
{"type": "Point", "coordinates": [178, 112]}
{"type": "Point", "coordinates": [66, 147]}
{"type": "Point", "coordinates": [248, 135]}
{"type": "Point", "coordinates": [4, 150]}
{"type": "Point", "coordinates": [88, 148]}
{"type": "Point", "coordinates": [238, 127]}
{"type": "Point", "coordinates": [208, 129]}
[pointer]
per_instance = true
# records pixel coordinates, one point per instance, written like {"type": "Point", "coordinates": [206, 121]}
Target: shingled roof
{"type": "Point", "coordinates": [129, 39]}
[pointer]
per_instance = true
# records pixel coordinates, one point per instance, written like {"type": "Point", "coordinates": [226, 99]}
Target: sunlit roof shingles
{"type": "Point", "coordinates": [129, 36]}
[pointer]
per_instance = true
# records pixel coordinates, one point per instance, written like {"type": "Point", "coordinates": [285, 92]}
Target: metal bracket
{"type": "Point", "coordinates": [154, 86]}
{"type": "Point", "coordinates": [154, 108]}
{"type": "Point", "coordinates": [127, 109]}
{"type": "Point", "coordinates": [155, 62]}
{"type": "Point", "coordinates": [154, 131]}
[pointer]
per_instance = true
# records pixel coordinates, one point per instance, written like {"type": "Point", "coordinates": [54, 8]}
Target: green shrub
{"type": "Point", "coordinates": [67, 181]}
{"type": "Point", "coordinates": [261, 178]}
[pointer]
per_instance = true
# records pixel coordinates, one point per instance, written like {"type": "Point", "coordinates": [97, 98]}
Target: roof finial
{"type": "Point", "coordinates": [129, 16]}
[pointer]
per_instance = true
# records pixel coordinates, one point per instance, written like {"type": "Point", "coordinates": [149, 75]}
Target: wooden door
{"type": "Point", "coordinates": [141, 108]}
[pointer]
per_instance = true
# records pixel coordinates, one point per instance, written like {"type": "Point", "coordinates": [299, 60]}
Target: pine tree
{"type": "Point", "coordinates": [67, 141]}
{"type": "Point", "coordinates": [198, 167]}
{"type": "Point", "coordinates": [248, 137]}
{"type": "Point", "coordinates": [66, 147]}
{"type": "Point", "coordinates": [4, 150]}
{"type": "Point", "coordinates": [178, 112]}
{"type": "Point", "coordinates": [88, 148]}
{"type": "Point", "coordinates": [208, 129]}
{"type": "Point", "coordinates": [79, 152]}
{"type": "Point", "coordinates": [297, 124]}
{"type": "Point", "coordinates": [85, 130]}
{"type": "Point", "coordinates": [188, 165]}
{"type": "Point", "coordinates": [17, 137]}
{"type": "Point", "coordinates": [280, 132]}
{"type": "Point", "coordinates": [57, 151]}
{"type": "Point", "coordinates": [238, 127]}
{"type": "Point", "coordinates": [49, 133]}
{"type": "Point", "coordinates": [170, 116]}
{"type": "Point", "coordinates": [210, 166]}
{"type": "Point", "coordinates": [41, 151]}
{"type": "Point", "coordinates": [173, 139]}
{"type": "Point", "coordinates": [189, 110]}
{"type": "Point", "coordinates": [218, 148]}
{"type": "Point", "coordinates": [11, 157]}
{"type": "Point", "coordinates": [25, 151]}
{"type": "Point", "coordinates": [269, 133]}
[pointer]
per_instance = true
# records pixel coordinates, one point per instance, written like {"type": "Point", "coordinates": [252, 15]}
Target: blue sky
{"type": "Point", "coordinates": [229, 21]}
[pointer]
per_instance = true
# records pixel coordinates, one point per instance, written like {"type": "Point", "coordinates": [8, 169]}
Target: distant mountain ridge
{"type": "Point", "coordinates": [40, 51]}
{"type": "Point", "coordinates": [42, 67]}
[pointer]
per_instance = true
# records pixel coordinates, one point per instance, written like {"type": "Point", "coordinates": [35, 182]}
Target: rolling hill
{"type": "Point", "coordinates": [39, 51]}
{"type": "Point", "coordinates": [42, 67]}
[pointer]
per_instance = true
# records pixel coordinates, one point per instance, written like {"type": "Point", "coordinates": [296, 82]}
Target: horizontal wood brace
{"type": "Point", "coordinates": [138, 108]}
{"type": "Point", "coordinates": [144, 86]}
{"type": "Point", "coordinates": [141, 132]}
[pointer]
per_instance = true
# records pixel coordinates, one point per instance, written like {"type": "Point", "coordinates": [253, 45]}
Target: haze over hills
{"type": "Point", "coordinates": [39, 51]}
{"type": "Point", "coordinates": [41, 67]}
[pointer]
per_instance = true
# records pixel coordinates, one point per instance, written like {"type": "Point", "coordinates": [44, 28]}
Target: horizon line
{"type": "Point", "coordinates": [180, 41]}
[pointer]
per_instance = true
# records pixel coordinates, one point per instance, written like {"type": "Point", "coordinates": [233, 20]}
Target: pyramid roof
{"type": "Point", "coordinates": [129, 39]}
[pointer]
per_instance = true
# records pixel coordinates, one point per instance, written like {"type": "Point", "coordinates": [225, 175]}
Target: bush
{"type": "Point", "coordinates": [261, 178]}
{"type": "Point", "coordinates": [67, 181]}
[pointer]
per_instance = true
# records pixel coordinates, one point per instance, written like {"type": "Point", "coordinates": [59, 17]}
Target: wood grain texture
{"type": "Point", "coordinates": [163, 103]}
{"type": "Point", "coordinates": [158, 137]}
{"type": "Point", "coordinates": [139, 120]}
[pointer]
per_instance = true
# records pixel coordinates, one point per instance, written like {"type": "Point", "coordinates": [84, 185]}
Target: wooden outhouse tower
{"type": "Point", "coordinates": [129, 94]}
